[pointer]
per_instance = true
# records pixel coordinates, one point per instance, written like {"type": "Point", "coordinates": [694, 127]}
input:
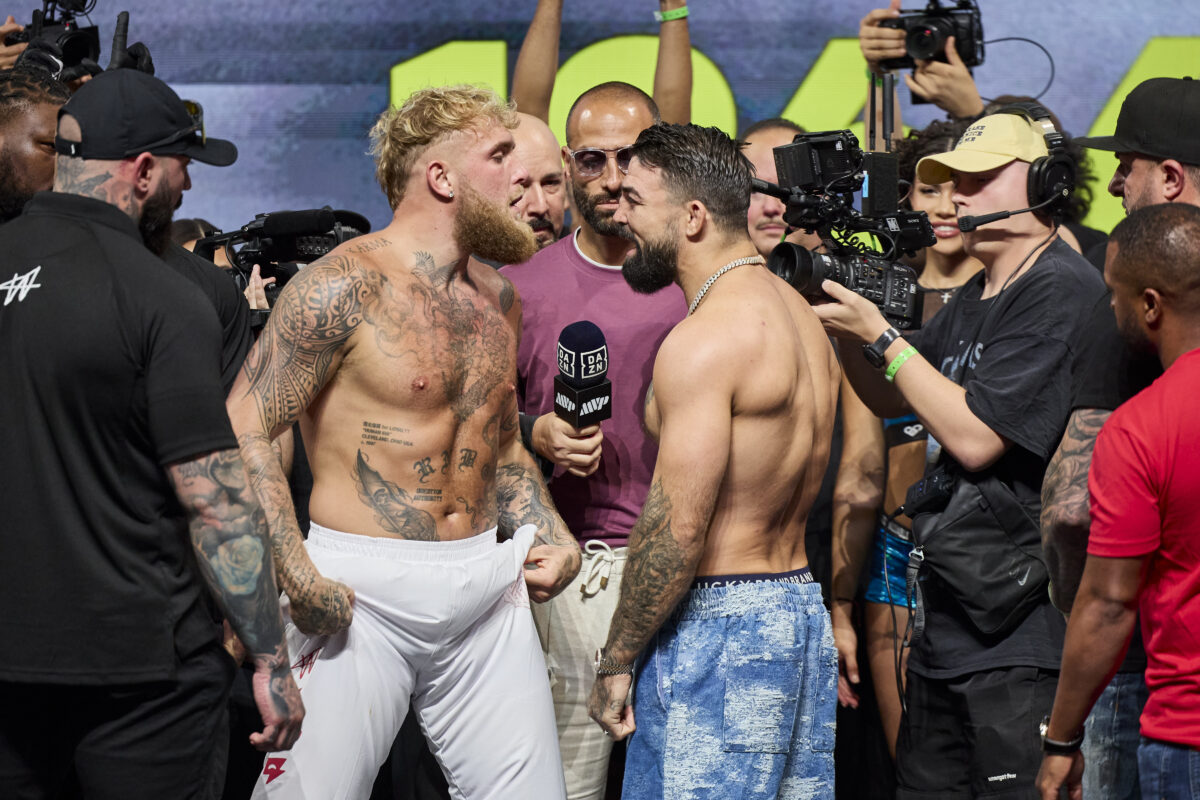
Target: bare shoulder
{"type": "Point", "coordinates": [696, 357]}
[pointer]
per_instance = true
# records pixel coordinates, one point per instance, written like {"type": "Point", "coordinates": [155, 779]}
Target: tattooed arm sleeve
{"type": "Point", "coordinates": [1065, 514]}
{"type": "Point", "coordinates": [296, 355]}
{"type": "Point", "coordinates": [229, 535]}
{"type": "Point", "coordinates": [694, 404]}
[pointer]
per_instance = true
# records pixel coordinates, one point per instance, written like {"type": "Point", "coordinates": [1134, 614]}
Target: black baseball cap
{"type": "Point", "coordinates": [124, 112]}
{"type": "Point", "coordinates": [1159, 118]}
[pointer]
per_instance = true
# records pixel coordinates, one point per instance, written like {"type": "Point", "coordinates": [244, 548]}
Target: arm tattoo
{"type": "Point", "coordinates": [522, 499]}
{"type": "Point", "coordinates": [392, 505]}
{"type": "Point", "coordinates": [1065, 513]}
{"type": "Point", "coordinates": [229, 534]}
{"type": "Point", "coordinates": [657, 574]}
{"type": "Point", "coordinates": [507, 296]}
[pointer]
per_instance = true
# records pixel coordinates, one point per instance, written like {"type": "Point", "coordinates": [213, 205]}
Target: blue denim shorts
{"type": "Point", "coordinates": [889, 570]}
{"type": "Point", "coordinates": [736, 697]}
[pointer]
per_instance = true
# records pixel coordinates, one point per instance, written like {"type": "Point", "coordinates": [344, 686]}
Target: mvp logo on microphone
{"type": "Point", "coordinates": [594, 405]}
{"type": "Point", "coordinates": [582, 407]}
{"type": "Point", "coordinates": [561, 400]}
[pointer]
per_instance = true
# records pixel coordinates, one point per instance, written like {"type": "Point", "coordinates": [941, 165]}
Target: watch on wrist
{"type": "Point", "coordinates": [605, 666]}
{"type": "Point", "coordinates": [1053, 747]}
{"type": "Point", "coordinates": [874, 351]}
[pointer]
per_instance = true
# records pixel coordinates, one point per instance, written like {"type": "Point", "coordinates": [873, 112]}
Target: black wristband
{"type": "Point", "coordinates": [1053, 747]}
{"type": "Point", "coordinates": [874, 351]}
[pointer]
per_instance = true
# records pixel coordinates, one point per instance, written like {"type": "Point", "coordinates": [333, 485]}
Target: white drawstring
{"type": "Point", "coordinates": [598, 569]}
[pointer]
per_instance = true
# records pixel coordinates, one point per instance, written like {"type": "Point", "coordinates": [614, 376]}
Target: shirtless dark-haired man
{"type": "Point", "coordinates": [737, 678]}
{"type": "Point", "coordinates": [397, 354]}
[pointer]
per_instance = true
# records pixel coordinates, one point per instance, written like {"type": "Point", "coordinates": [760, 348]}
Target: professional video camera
{"type": "Point", "coordinates": [281, 242]}
{"type": "Point", "coordinates": [56, 25]}
{"type": "Point", "coordinates": [818, 175]}
{"type": "Point", "coordinates": [926, 33]}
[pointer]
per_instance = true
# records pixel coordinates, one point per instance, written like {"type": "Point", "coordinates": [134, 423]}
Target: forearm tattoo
{"type": "Point", "coordinates": [229, 533]}
{"type": "Point", "coordinates": [522, 499]}
{"type": "Point", "coordinates": [1066, 517]}
{"type": "Point", "coordinates": [658, 572]}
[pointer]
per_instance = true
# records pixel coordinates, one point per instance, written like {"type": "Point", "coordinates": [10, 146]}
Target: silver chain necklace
{"type": "Point", "coordinates": [713, 279]}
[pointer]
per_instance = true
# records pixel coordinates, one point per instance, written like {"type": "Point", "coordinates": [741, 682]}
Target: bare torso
{"type": "Point", "coordinates": [403, 439]}
{"type": "Point", "coordinates": [785, 376]}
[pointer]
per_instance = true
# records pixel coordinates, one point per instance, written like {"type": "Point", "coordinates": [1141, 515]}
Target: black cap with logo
{"type": "Point", "coordinates": [1159, 118]}
{"type": "Point", "coordinates": [124, 112]}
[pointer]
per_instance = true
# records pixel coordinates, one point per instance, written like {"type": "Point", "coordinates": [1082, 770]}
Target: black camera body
{"type": "Point", "coordinates": [931, 494]}
{"type": "Point", "coordinates": [74, 42]}
{"type": "Point", "coordinates": [818, 175]}
{"type": "Point", "coordinates": [281, 242]}
{"type": "Point", "coordinates": [926, 33]}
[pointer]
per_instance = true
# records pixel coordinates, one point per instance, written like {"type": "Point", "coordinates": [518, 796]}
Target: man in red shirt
{"type": "Point", "coordinates": [1144, 545]}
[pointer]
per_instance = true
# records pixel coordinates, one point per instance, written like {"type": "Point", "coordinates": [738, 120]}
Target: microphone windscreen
{"type": "Point", "coordinates": [582, 354]}
{"type": "Point", "coordinates": [298, 223]}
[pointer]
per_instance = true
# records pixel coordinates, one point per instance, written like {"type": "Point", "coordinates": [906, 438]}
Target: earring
{"type": "Point", "coordinates": [451, 194]}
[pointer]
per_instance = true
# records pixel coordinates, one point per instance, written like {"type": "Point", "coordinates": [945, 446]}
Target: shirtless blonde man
{"type": "Point", "coordinates": [736, 682]}
{"type": "Point", "coordinates": [397, 353]}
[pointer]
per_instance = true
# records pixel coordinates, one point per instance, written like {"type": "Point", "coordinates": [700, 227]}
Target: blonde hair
{"type": "Point", "coordinates": [402, 134]}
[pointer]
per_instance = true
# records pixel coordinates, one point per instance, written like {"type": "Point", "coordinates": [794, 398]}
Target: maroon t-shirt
{"type": "Point", "coordinates": [559, 286]}
{"type": "Point", "coordinates": [1145, 499]}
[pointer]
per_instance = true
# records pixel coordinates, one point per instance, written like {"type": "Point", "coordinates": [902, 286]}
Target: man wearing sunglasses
{"type": "Point", "coordinates": [126, 496]}
{"type": "Point", "coordinates": [602, 473]}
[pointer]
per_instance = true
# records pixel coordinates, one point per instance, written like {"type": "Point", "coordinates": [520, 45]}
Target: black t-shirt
{"type": "Point", "coordinates": [1020, 346]}
{"type": "Point", "coordinates": [109, 366]}
{"type": "Point", "coordinates": [232, 309]}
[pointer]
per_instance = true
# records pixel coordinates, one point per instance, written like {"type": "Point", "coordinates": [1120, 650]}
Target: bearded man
{"type": "Point", "coordinates": [397, 353]}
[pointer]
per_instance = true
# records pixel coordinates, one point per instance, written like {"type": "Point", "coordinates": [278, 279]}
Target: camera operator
{"type": "Point", "coordinates": [989, 378]}
{"type": "Point", "coordinates": [9, 53]}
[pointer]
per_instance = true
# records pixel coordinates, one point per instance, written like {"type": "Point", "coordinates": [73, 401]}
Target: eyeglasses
{"type": "Point", "coordinates": [591, 161]}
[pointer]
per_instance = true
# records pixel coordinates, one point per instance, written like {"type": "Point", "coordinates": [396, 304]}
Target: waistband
{"type": "Point", "coordinates": [401, 549]}
{"type": "Point", "coordinates": [890, 525]}
{"type": "Point", "coordinates": [783, 591]}
{"type": "Point", "coordinates": [802, 575]}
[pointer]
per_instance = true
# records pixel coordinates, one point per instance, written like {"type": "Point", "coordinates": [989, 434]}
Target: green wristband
{"type": "Point", "coordinates": [898, 362]}
{"type": "Point", "coordinates": [674, 13]}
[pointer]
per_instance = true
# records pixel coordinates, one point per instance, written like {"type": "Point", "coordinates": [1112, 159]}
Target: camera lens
{"type": "Point", "coordinates": [796, 266]}
{"type": "Point", "coordinates": [76, 46]}
{"type": "Point", "coordinates": [928, 40]}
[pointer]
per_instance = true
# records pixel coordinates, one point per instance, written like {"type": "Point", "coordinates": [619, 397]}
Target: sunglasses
{"type": "Point", "coordinates": [591, 161]}
{"type": "Point", "coordinates": [196, 129]}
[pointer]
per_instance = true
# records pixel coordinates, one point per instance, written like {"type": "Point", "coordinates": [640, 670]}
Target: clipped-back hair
{"type": "Point", "coordinates": [401, 134]}
{"type": "Point", "coordinates": [700, 164]}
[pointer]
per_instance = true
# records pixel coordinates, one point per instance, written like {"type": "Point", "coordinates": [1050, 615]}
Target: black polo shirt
{"type": "Point", "coordinates": [109, 371]}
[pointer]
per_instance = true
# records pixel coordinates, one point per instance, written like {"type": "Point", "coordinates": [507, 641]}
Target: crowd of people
{"type": "Point", "coordinates": [368, 519]}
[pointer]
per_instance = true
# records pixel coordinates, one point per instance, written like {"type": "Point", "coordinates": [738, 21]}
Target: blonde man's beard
{"type": "Point", "coordinates": [487, 230]}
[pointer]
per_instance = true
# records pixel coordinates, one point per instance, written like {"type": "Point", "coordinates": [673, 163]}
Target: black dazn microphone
{"type": "Point", "coordinates": [971, 223]}
{"type": "Point", "coordinates": [582, 393]}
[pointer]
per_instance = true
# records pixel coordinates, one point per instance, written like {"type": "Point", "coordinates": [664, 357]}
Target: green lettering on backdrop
{"type": "Point", "coordinates": [631, 59]}
{"type": "Point", "coordinates": [1163, 56]}
{"type": "Point", "coordinates": [830, 97]}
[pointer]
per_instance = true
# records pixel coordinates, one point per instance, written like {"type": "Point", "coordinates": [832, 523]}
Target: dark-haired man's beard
{"type": "Point", "coordinates": [543, 231]}
{"type": "Point", "coordinates": [155, 222]}
{"type": "Point", "coordinates": [1135, 337]}
{"type": "Point", "coordinates": [652, 266]}
{"type": "Point", "coordinates": [13, 196]}
{"type": "Point", "coordinates": [601, 222]}
{"type": "Point", "coordinates": [487, 230]}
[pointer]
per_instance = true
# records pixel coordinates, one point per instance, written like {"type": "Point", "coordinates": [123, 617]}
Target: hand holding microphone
{"type": "Point", "coordinates": [571, 437]}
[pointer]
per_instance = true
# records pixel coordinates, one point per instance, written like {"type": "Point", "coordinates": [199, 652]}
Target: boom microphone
{"type": "Point", "coordinates": [582, 393]}
{"type": "Point", "coordinates": [295, 223]}
{"type": "Point", "coordinates": [971, 223]}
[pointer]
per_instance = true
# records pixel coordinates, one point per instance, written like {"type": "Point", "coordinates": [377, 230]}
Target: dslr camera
{"type": "Point", "coordinates": [56, 25]}
{"type": "Point", "coordinates": [926, 33]}
{"type": "Point", "coordinates": [281, 242]}
{"type": "Point", "coordinates": [818, 176]}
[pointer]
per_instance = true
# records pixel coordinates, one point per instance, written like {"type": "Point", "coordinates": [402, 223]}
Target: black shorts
{"type": "Point", "coordinates": [973, 736]}
{"type": "Point", "coordinates": [161, 739]}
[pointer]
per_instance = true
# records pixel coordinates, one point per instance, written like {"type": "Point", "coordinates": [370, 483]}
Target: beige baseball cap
{"type": "Point", "coordinates": [991, 142]}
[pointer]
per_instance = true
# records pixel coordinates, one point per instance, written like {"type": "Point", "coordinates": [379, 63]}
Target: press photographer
{"type": "Point", "coordinates": [989, 378]}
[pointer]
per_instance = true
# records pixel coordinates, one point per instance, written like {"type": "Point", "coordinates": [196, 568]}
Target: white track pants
{"type": "Point", "coordinates": [446, 624]}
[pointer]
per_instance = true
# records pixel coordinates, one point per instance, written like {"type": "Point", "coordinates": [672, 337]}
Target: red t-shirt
{"type": "Point", "coordinates": [1145, 500]}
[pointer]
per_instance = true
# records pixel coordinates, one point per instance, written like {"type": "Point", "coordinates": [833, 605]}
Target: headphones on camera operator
{"type": "Point", "coordinates": [1051, 177]}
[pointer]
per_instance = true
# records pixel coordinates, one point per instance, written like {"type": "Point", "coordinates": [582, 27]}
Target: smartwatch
{"type": "Point", "coordinates": [874, 351]}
